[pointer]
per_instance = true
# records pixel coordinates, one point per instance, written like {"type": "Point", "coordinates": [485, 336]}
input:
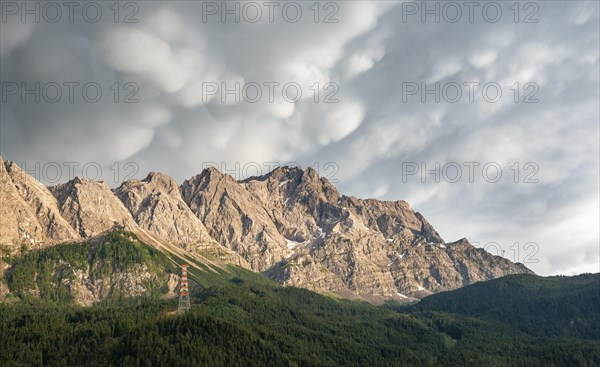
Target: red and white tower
{"type": "Point", "coordinates": [184, 292]}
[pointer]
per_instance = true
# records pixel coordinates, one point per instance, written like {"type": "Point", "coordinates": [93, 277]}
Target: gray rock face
{"type": "Point", "coordinates": [88, 289]}
{"type": "Point", "coordinates": [18, 223]}
{"type": "Point", "coordinates": [156, 205]}
{"type": "Point", "coordinates": [90, 207]}
{"type": "Point", "coordinates": [290, 224]}
{"type": "Point", "coordinates": [333, 242]}
{"type": "Point", "coordinates": [43, 204]}
{"type": "Point", "coordinates": [235, 218]}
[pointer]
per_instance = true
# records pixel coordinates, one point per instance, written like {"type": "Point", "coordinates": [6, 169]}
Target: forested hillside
{"type": "Point", "coordinates": [244, 323]}
{"type": "Point", "coordinates": [239, 318]}
{"type": "Point", "coordinates": [543, 306]}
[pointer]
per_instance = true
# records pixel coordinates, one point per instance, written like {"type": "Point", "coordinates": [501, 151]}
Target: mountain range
{"type": "Point", "coordinates": [290, 225]}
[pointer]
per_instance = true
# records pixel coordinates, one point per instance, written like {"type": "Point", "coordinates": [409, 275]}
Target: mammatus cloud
{"type": "Point", "coordinates": [177, 64]}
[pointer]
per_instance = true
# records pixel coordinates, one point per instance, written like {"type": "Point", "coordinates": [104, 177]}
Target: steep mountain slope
{"type": "Point", "coordinates": [390, 217]}
{"type": "Point", "coordinates": [234, 218]}
{"type": "Point", "coordinates": [43, 204]}
{"type": "Point", "coordinates": [90, 207]}
{"type": "Point", "coordinates": [358, 248]}
{"type": "Point", "coordinates": [156, 205]}
{"type": "Point", "coordinates": [289, 224]}
{"type": "Point", "coordinates": [18, 223]}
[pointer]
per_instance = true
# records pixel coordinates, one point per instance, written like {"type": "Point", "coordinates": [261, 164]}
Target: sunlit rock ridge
{"type": "Point", "coordinates": [290, 224]}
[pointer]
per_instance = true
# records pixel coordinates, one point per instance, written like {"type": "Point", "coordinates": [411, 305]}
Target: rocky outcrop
{"type": "Point", "coordinates": [90, 207]}
{"type": "Point", "coordinates": [19, 225]}
{"type": "Point", "coordinates": [156, 205]}
{"type": "Point", "coordinates": [172, 283]}
{"type": "Point", "coordinates": [289, 224]}
{"type": "Point", "coordinates": [334, 242]}
{"type": "Point", "coordinates": [88, 289]}
{"type": "Point", "coordinates": [298, 202]}
{"type": "Point", "coordinates": [235, 218]}
{"type": "Point", "coordinates": [354, 257]}
{"type": "Point", "coordinates": [43, 204]}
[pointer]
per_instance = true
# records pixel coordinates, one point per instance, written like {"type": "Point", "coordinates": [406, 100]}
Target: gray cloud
{"type": "Point", "coordinates": [371, 53]}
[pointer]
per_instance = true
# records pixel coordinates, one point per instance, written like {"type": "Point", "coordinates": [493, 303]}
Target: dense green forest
{"type": "Point", "coordinates": [239, 318]}
{"type": "Point", "coordinates": [543, 306]}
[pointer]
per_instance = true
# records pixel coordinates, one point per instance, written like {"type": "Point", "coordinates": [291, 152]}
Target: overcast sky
{"type": "Point", "coordinates": [518, 96]}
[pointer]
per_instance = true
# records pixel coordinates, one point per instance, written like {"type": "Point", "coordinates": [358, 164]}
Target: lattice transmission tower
{"type": "Point", "coordinates": [184, 292]}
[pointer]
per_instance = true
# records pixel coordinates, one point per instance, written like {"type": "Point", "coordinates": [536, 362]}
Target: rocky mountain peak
{"type": "Point", "coordinates": [277, 174]}
{"type": "Point", "coordinates": [164, 183]}
{"type": "Point", "coordinates": [19, 225]}
{"type": "Point", "coordinates": [79, 184]}
{"type": "Point", "coordinates": [462, 243]}
{"type": "Point", "coordinates": [294, 183]}
{"type": "Point", "coordinates": [42, 203]}
{"type": "Point", "coordinates": [160, 179]}
{"type": "Point", "coordinates": [156, 204]}
{"type": "Point", "coordinates": [13, 169]}
{"type": "Point", "coordinates": [214, 173]}
{"type": "Point", "coordinates": [234, 217]}
{"type": "Point", "coordinates": [290, 224]}
{"type": "Point", "coordinates": [428, 231]}
{"type": "Point", "coordinates": [283, 173]}
{"type": "Point", "coordinates": [310, 174]}
{"type": "Point", "coordinates": [208, 177]}
{"type": "Point", "coordinates": [90, 207]}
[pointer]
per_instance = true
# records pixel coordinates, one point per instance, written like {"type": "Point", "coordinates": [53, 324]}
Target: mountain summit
{"type": "Point", "coordinates": [290, 224]}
